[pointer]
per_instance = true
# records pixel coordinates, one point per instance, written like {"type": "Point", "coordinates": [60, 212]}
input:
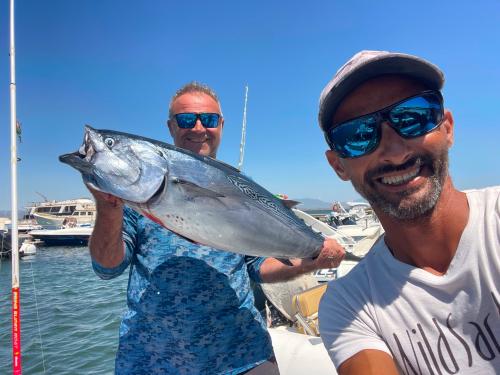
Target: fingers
{"type": "Point", "coordinates": [331, 254]}
{"type": "Point", "coordinates": [104, 198]}
{"type": "Point", "coordinates": [333, 261]}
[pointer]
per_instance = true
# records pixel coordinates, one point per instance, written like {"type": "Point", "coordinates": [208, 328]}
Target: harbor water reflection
{"type": "Point", "coordinates": [71, 327]}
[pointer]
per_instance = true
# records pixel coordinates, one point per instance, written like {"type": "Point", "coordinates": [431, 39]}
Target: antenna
{"type": "Point", "coordinates": [243, 131]}
{"type": "Point", "coordinates": [43, 196]}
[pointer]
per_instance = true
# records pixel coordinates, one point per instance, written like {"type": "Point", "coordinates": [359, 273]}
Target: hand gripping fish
{"type": "Point", "coordinates": [196, 197]}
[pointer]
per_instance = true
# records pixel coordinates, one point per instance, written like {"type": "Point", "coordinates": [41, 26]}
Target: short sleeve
{"type": "Point", "coordinates": [346, 323]}
{"type": "Point", "coordinates": [253, 266]}
{"type": "Point", "coordinates": [129, 230]}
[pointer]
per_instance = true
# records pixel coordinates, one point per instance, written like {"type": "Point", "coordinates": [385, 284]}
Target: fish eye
{"type": "Point", "coordinates": [109, 142]}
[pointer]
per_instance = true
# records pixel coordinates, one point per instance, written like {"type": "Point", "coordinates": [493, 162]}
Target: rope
{"type": "Point", "coordinates": [1, 250]}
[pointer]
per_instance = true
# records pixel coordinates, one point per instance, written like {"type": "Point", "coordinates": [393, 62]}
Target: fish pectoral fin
{"type": "Point", "coordinates": [196, 189]}
{"type": "Point", "coordinates": [350, 256]}
{"type": "Point", "coordinates": [288, 203]}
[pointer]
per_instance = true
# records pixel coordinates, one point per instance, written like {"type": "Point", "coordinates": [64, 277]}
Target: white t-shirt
{"type": "Point", "coordinates": [430, 324]}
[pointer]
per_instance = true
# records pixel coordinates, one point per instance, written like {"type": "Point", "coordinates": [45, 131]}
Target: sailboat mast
{"type": "Point", "coordinates": [16, 306]}
{"type": "Point", "coordinates": [243, 131]}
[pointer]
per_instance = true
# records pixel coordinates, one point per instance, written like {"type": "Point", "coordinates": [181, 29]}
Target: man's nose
{"type": "Point", "coordinates": [393, 148]}
{"type": "Point", "coordinates": [198, 126]}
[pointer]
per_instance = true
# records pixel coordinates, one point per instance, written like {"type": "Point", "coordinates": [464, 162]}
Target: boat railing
{"type": "Point", "coordinates": [60, 202]}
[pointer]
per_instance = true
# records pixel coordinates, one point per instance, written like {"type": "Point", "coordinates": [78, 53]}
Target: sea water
{"type": "Point", "coordinates": [69, 317]}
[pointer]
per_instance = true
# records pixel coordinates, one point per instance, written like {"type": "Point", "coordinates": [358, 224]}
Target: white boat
{"type": "Point", "coordinates": [356, 239]}
{"type": "Point", "coordinates": [68, 236]}
{"type": "Point", "coordinates": [54, 214]}
{"type": "Point", "coordinates": [299, 354]}
{"type": "Point", "coordinates": [23, 226]}
{"type": "Point", "coordinates": [27, 246]}
{"type": "Point", "coordinates": [360, 231]}
{"type": "Point", "coordinates": [295, 336]}
{"type": "Point", "coordinates": [296, 342]}
{"type": "Point", "coordinates": [4, 221]}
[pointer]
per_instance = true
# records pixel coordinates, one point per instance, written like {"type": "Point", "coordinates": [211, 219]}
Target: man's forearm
{"type": "Point", "coordinates": [273, 270]}
{"type": "Point", "coordinates": [369, 362]}
{"type": "Point", "coordinates": [330, 256]}
{"type": "Point", "coordinates": [106, 243]}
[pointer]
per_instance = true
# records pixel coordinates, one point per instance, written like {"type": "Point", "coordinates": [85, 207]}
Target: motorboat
{"type": "Point", "coordinates": [357, 239]}
{"type": "Point", "coordinates": [292, 319]}
{"type": "Point", "coordinates": [27, 245]}
{"type": "Point", "coordinates": [298, 354]}
{"type": "Point", "coordinates": [64, 236]}
{"type": "Point", "coordinates": [292, 306]}
{"type": "Point", "coordinates": [4, 221]}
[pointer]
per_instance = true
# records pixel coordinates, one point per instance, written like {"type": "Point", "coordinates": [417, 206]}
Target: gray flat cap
{"type": "Point", "coordinates": [369, 64]}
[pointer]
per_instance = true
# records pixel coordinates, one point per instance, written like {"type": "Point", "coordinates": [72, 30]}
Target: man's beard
{"type": "Point", "coordinates": [408, 207]}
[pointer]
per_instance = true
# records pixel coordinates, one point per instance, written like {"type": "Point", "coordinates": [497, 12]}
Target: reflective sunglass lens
{"type": "Point", "coordinates": [417, 116]}
{"type": "Point", "coordinates": [186, 120]}
{"type": "Point", "coordinates": [355, 138]}
{"type": "Point", "coordinates": [209, 120]}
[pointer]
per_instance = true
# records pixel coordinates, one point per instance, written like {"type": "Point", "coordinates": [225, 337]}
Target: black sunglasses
{"type": "Point", "coordinates": [411, 118]}
{"type": "Point", "coordinates": [188, 120]}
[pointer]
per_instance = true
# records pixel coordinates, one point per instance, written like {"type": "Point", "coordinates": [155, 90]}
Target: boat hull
{"type": "Point", "coordinates": [63, 237]}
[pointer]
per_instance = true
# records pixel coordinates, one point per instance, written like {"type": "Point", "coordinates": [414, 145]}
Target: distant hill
{"type": "Point", "coordinates": [6, 213]}
{"type": "Point", "coordinates": [312, 204]}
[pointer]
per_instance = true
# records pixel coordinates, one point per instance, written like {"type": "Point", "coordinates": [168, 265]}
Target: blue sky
{"type": "Point", "coordinates": [116, 64]}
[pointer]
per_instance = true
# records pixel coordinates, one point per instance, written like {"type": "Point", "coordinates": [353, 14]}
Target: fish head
{"type": "Point", "coordinates": [126, 166]}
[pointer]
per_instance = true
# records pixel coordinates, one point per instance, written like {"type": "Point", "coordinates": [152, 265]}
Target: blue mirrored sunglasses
{"type": "Point", "coordinates": [411, 118]}
{"type": "Point", "coordinates": [188, 120]}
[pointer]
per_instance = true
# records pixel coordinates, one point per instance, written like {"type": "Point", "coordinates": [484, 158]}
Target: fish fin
{"type": "Point", "coordinates": [351, 256]}
{"type": "Point", "coordinates": [198, 190]}
{"type": "Point", "coordinates": [288, 203]}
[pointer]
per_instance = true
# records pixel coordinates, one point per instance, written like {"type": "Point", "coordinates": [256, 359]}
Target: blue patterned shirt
{"type": "Point", "coordinates": [190, 307]}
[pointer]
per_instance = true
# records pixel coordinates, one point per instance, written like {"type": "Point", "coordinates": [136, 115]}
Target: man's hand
{"type": "Point", "coordinates": [330, 256]}
{"type": "Point", "coordinates": [273, 270]}
{"type": "Point", "coordinates": [105, 200]}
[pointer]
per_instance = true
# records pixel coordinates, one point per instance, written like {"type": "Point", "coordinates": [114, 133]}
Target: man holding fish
{"type": "Point", "coordinates": [426, 299]}
{"type": "Point", "coordinates": [190, 306]}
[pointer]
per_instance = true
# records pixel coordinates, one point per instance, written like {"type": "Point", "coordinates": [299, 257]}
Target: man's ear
{"type": "Point", "coordinates": [449, 126]}
{"type": "Point", "coordinates": [336, 163]}
{"type": "Point", "coordinates": [170, 127]}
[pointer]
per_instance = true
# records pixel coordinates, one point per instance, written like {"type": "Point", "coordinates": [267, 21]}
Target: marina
{"type": "Point", "coordinates": [70, 317]}
{"type": "Point", "coordinates": [63, 333]}
{"type": "Point", "coordinates": [51, 223]}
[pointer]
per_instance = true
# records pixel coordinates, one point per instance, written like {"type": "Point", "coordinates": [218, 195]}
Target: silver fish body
{"type": "Point", "coordinates": [197, 197]}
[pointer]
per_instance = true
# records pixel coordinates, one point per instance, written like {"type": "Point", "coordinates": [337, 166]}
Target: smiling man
{"type": "Point", "coordinates": [187, 107]}
{"type": "Point", "coordinates": [190, 308]}
{"type": "Point", "coordinates": [425, 300]}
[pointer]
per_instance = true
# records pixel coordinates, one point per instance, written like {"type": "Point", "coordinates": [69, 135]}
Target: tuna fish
{"type": "Point", "coordinates": [196, 197]}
